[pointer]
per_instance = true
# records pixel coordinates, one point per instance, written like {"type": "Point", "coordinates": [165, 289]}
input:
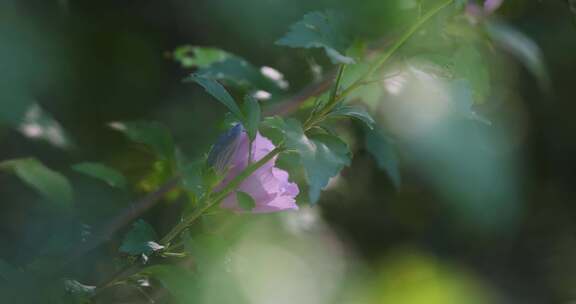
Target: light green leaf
{"type": "Point", "coordinates": [152, 134]}
{"type": "Point", "coordinates": [469, 65]}
{"type": "Point", "coordinates": [219, 92]}
{"type": "Point", "coordinates": [194, 56]}
{"type": "Point", "coordinates": [382, 149]}
{"type": "Point", "coordinates": [354, 112]}
{"type": "Point", "coordinates": [49, 183]}
{"type": "Point", "coordinates": [252, 113]}
{"type": "Point", "coordinates": [245, 200]}
{"type": "Point", "coordinates": [522, 47]}
{"type": "Point", "coordinates": [323, 156]}
{"type": "Point", "coordinates": [318, 30]}
{"type": "Point", "coordinates": [140, 240]}
{"type": "Point", "coordinates": [102, 172]}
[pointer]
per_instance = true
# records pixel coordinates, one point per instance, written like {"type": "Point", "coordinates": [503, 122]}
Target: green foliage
{"type": "Point", "coordinates": [252, 114]}
{"type": "Point", "coordinates": [382, 149]}
{"type": "Point", "coordinates": [199, 57]}
{"type": "Point", "coordinates": [354, 112]}
{"type": "Point", "coordinates": [49, 183]}
{"type": "Point", "coordinates": [140, 240]}
{"type": "Point", "coordinates": [246, 202]}
{"type": "Point", "coordinates": [102, 172]}
{"type": "Point", "coordinates": [318, 30]}
{"type": "Point", "coordinates": [152, 134]}
{"type": "Point", "coordinates": [181, 283]}
{"type": "Point", "coordinates": [323, 156]}
{"type": "Point", "coordinates": [219, 92]}
{"type": "Point", "coordinates": [469, 65]}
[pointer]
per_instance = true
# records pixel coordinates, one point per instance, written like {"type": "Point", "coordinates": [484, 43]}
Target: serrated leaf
{"type": "Point", "coordinates": [354, 112]}
{"type": "Point", "coordinates": [152, 134]}
{"type": "Point", "coordinates": [323, 156]}
{"type": "Point", "coordinates": [245, 201]}
{"type": "Point", "coordinates": [49, 183]}
{"type": "Point", "coordinates": [194, 56]}
{"type": "Point", "coordinates": [381, 147]}
{"type": "Point", "coordinates": [252, 114]}
{"type": "Point", "coordinates": [219, 92]}
{"type": "Point", "coordinates": [318, 30]}
{"type": "Point", "coordinates": [102, 172]}
{"type": "Point", "coordinates": [522, 47]}
{"type": "Point", "coordinates": [140, 240]}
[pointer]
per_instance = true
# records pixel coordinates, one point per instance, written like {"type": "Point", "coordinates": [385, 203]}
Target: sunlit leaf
{"type": "Point", "coordinates": [102, 172]}
{"type": "Point", "coordinates": [194, 56]}
{"type": "Point", "coordinates": [219, 92]}
{"type": "Point", "coordinates": [318, 30]}
{"type": "Point", "coordinates": [140, 240]}
{"type": "Point", "coordinates": [152, 134]}
{"type": "Point", "coordinates": [49, 183]}
{"type": "Point", "coordinates": [382, 149]}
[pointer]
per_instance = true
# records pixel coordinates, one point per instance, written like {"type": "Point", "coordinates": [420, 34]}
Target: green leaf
{"type": "Point", "coordinates": [193, 177]}
{"type": "Point", "coordinates": [469, 65]}
{"type": "Point", "coordinates": [323, 156]}
{"type": "Point", "coordinates": [382, 149]}
{"type": "Point", "coordinates": [76, 288]}
{"type": "Point", "coordinates": [522, 47]}
{"type": "Point", "coordinates": [140, 240]}
{"type": "Point", "coordinates": [49, 183]}
{"type": "Point", "coordinates": [354, 112]}
{"type": "Point", "coordinates": [194, 56]}
{"type": "Point", "coordinates": [219, 92]}
{"type": "Point", "coordinates": [180, 283]}
{"type": "Point", "coordinates": [464, 101]}
{"type": "Point", "coordinates": [245, 200]}
{"type": "Point", "coordinates": [102, 172]}
{"type": "Point", "coordinates": [252, 114]}
{"type": "Point", "coordinates": [152, 134]}
{"type": "Point", "coordinates": [318, 30]}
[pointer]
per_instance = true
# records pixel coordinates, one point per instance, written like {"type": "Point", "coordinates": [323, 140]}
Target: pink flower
{"type": "Point", "coordinates": [269, 186]}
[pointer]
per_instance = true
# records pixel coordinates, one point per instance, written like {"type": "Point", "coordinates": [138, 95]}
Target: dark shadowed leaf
{"type": "Point", "coordinates": [318, 30]}
{"type": "Point", "coordinates": [140, 239]}
{"type": "Point", "coordinates": [51, 184]}
{"type": "Point", "coordinates": [382, 149]}
{"type": "Point", "coordinates": [245, 201]}
{"type": "Point", "coordinates": [102, 172]}
{"type": "Point", "coordinates": [152, 134]}
{"type": "Point", "coordinates": [219, 92]}
{"type": "Point", "coordinates": [252, 114]}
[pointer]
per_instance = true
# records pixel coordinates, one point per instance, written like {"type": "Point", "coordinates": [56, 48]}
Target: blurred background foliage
{"type": "Point", "coordinates": [475, 211]}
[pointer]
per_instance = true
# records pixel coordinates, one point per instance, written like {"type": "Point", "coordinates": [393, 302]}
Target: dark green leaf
{"type": "Point", "coordinates": [382, 149]}
{"type": "Point", "coordinates": [252, 114]}
{"type": "Point", "coordinates": [77, 288]}
{"type": "Point", "coordinates": [102, 172]}
{"type": "Point", "coordinates": [193, 56]}
{"type": "Point", "coordinates": [140, 240]}
{"type": "Point", "coordinates": [219, 92]}
{"type": "Point", "coordinates": [182, 284]}
{"type": "Point", "coordinates": [49, 183]}
{"type": "Point", "coordinates": [318, 30]}
{"type": "Point", "coordinates": [354, 112]}
{"type": "Point", "coordinates": [245, 201]}
{"type": "Point", "coordinates": [152, 134]}
{"type": "Point", "coordinates": [522, 47]}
